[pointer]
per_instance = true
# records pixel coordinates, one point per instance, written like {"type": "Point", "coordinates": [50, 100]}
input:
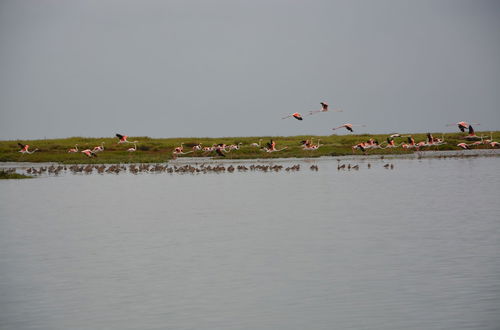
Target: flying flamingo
{"type": "Point", "coordinates": [324, 108]}
{"type": "Point", "coordinates": [271, 147]}
{"type": "Point", "coordinates": [295, 115]}
{"type": "Point", "coordinates": [89, 153]}
{"type": "Point", "coordinates": [99, 148]}
{"type": "Point", "coordinates": [24, 149]}
{"type": "Point", "coordinates": [463, 145]}
{"type": "Point", "coordinates": [472, 135]}
{"type": "Point", "coordinates": [73, 150]}
{"type": "Point", "coordinates": [348, 127]}
{"type": "Point", "coordinates": [462, 125]}
{"type": "Point", "coordinates": [180, 150]}
{"type": "Point", "coordinates": [123, 139]}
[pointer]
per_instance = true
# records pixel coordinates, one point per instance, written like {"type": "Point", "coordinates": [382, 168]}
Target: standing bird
{"type": "Point", "coordinates": [324, 108]}
{"type": "Point", "coordinates": [24, 149]}
{"type": "Point", "coordinates": [132, 149]}
{"type": "Point", "coordinates": [256, 144]}
{"type": "Point", "coordinates": [99, 148]}
{"type": "Point", "coordinates": [348, 127]}
{"type": "Point", "coordinates": [73, 150]}
{"type": "Point", "coordinates": [295, 115]}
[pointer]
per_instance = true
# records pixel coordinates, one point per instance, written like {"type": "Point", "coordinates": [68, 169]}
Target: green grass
{"type": "Point", "coordinates": [5, 175]}
{"type": "Point", "coordinates": [151, 150]}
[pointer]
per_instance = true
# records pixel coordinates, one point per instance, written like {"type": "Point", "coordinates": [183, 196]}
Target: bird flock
{"type": "Point", "coordinates": [221, 149]}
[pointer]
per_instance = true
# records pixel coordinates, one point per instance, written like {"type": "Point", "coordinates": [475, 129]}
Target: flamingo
{"type": "Point", "coordinates": [348, 127]}
{"type": "Point", "coordinates": [123, 139]}
{"type": "Point", "coordinates": [472, 135]}
{"type": "Point", "coordinates": [324, 108]}
{"type": "Point", "coordinates": [295, 115]}
{"type": "Point", "coordinates": [256, 144]}
{"type": "Point", "coordinates": [180, 150]}
{"type": "Point", "coordinates": [89, 153]}
{"type": "Point", "coordinates": [133, 149]}
{"type": "Point", "coordinates": [359, 146]}
{"type": "Point", "coordinates": [197, 147]}
{"type": "Point", "coordinates": [24, 149]}
{"type": "Point", "coordinates": [99, 148]}
{"type": "Point", "coordinates": [463, 145]}
{"type": "Point", "coordinates": [495, 144]}
{"type": "Point", "coordinates": [271, 147]}
{"type": "Point", "coordinates": [73, 150]}
{"type": "Point", "coordinates": [462, 125]}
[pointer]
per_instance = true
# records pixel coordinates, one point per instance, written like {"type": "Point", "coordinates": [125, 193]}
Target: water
{"type": "Point", "coordinates": [415, 247]}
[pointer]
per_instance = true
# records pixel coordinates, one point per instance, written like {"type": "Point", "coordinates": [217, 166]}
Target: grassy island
{"type": "Point", "coordinates": [157, 150]}
{"type": "Point", "coordinates": [4, 175]}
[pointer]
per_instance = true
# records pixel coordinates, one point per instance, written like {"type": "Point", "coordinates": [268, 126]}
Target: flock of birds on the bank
{"type": "Point", "coordinates": [221, 149]}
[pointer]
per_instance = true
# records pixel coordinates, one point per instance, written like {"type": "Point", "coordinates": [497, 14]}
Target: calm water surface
{"type": "Point", "coordinates": [416, 247]}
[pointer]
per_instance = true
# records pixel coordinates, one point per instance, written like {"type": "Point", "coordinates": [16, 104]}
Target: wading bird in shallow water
{"type": "Point", "coordinates": [89, 153]}
{"type": "Point", "coordinates": [24, 149]}
{"type": "Point", "coordinates": [462, 125]}
{"type": "Point", "coordinates": [348, 127]}
{"type": "Point", "coordinates": [324, 108]}
{"type": "Point", "coordinates": [73, 150]}
{"type": "Point", "coordinates": [295, 115]}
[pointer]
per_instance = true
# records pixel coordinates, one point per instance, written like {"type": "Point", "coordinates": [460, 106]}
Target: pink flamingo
{"type": "Point", "coordinates": [98, 148]}
{"type": "Point", "coordinates": [324, 108]}
{"type": "Point", "coordinates": [133, 149]}
{"type": "Point", "coordinates": [123, 139]}
{"type": "Point", "coordinates": [462, 125]}
{"type": "Point", "coordinates": [348, 127]}
{"type": "Point", "coordinates": [24, 149]}
{"type": "Point", "coordinates": [295, 115]}
{"type": "Point", "coordinates": [89, 153]}
{"type": "Point", "coordinates": [73, 150]}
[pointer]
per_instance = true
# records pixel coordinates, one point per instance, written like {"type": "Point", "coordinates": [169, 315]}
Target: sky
{"type": "Point", "coordinates": [216, 68]}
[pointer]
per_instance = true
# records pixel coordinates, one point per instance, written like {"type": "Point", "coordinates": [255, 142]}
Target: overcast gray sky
{"type": "Point", "coordinates": [234, 68]}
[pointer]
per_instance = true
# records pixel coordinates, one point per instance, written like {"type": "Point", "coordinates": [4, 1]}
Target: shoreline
{"type": "Point", "coordinates": [208, 160]}
{"type": "Point", "coordinates": [150, 150]}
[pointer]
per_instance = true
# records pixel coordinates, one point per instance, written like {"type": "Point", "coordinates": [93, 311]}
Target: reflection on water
{"type": "Point", "coordinates": [415, 247]}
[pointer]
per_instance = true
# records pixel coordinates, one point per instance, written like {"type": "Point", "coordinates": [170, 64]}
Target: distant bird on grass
{"type": "Point", "coordinates": [98, 148]}
{"type": "Point", "coordinates": [133, 149]}
{"type": "Point", "coordinates": [73, 150]}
